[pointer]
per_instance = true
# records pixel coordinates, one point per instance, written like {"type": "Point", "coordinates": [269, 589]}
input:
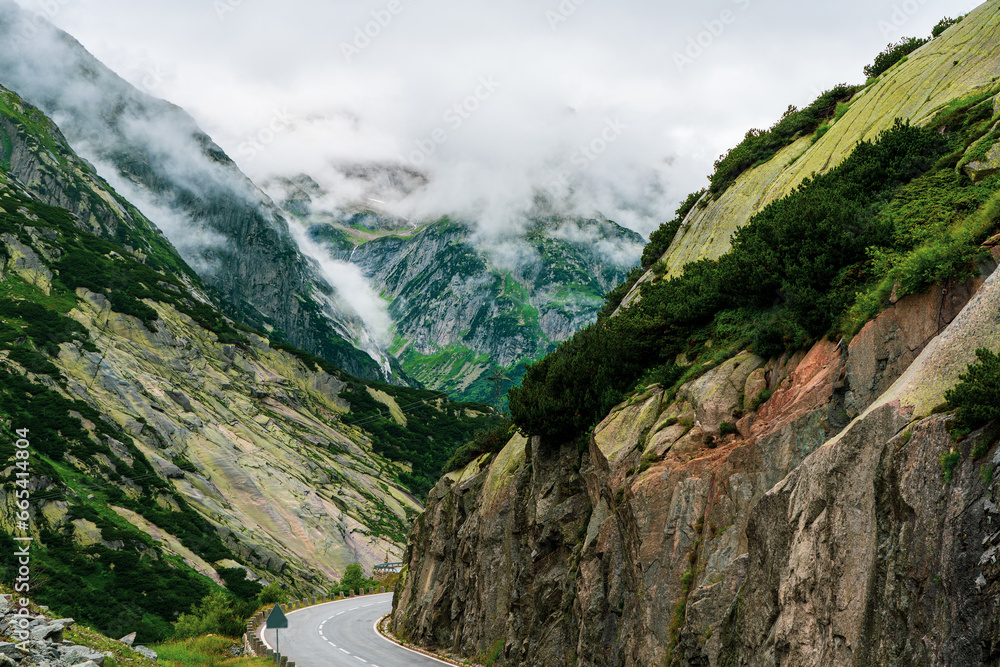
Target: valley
{"type": "Point", "coordinates": [766, 434]}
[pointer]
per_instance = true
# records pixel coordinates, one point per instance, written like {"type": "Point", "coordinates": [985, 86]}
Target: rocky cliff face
{"type": "Point", "coordinates": [158, 157]}
{"type": "Point", "coordinates": [630, 549]}
{"type": "Point", "coordinates": [862, 555]}
{"type": "Point", "coordinates": [792, 511]}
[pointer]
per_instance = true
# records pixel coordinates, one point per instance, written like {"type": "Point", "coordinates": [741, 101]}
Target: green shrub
{"type": "Point", "coordinates": [354, 579]}
{"type": "Point", "coordinates": [494, 654]}
{"type": "Point", "coordinates": [33, 362]}
{"type": "Point", "coordinates": [184, 464]}
{"type": "Point", "coordinates": [220, 613]}
{"type": "Point", "coordinates": [893, 54]}
{"type": "Point", "coordinates": [215, 615]}
{"type": "Point", "coordinates": [238, 584]}
{"type": "Point", "coordinates": [820, 131]}
{"type": "Point", "coordinates": [949, 463]}
{"type": "Point", "coordinates": [727, 428]}
{"type": "Point", "coordinates": [977, 395]}
{"type": "Point", "coordinates": [761, 399]}
{"type": "Point", "coordinates": [486, 441]}
{"type": "Point", "coordinates": [759, 146]}
{"type": "Point", "coordinates": [789, 277]}
{"type": "Point", "coordinates": [943, 25]}
{"type": "Point", "coordinates": [842, 108]}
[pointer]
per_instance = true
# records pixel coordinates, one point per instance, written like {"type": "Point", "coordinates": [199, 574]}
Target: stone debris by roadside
{"type": "Point", "coordinates": [46, 646]}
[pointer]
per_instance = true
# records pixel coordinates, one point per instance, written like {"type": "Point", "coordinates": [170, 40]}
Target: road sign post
{"type": "Point", "coordinates": [277, 620]}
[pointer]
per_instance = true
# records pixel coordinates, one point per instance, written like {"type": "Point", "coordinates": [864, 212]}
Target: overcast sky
{"type": "Point", "coordinates": [626, 104]}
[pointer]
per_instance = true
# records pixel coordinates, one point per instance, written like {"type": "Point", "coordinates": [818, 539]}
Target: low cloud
{"type": "Point", "coordinates": [194, 242]}
{"type": "Point", "coordinates": [402, 82]}
{"type": "Point", "coordinates": [353, 291]}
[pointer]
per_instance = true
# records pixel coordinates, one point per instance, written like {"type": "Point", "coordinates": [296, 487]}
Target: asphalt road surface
{"type": "Point", "coordinates": [343, 634]}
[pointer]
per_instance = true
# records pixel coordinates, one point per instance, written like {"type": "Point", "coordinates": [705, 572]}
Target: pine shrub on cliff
{"type": "Point", "coordinates": [661, 238]}
{"type": "Point", "coordinates": [892, 54]}
{"type": "Point", "coordinates": [792, 272]}
{"type": "Point", "coordinates": [977, 395]}
{"type": "Point", "coordinates": [759, 146]}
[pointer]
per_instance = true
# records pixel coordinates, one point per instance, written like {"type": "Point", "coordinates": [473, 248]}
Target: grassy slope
{"type": "Point", "coordinates": [822, 260]}
{"type": "Point", "coordinates": [90, 563]}
{"type": "Point", "coordinates": [959, 63]}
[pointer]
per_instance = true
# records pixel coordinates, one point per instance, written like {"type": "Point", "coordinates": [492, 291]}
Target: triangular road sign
{"type": "Point", "coordinates": [277, 618]}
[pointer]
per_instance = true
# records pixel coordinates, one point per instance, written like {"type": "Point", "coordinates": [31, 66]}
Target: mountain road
{"type": "Point", "coordinates": [343, 633]}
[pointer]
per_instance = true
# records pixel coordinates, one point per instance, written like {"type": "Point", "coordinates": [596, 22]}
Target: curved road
{"type": "Point", "coordinates": [343, 633]}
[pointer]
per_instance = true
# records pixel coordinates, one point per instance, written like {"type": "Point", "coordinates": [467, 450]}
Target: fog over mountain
{"type": "Point", "coordinates": [610, 108]}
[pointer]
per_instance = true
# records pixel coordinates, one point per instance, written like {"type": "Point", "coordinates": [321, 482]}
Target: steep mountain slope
{"type": "Point", "coordinates": [708, 478]}
{"type": "Point", "coordinates": [915, 90]}
{"type": "Point", "coordinates": [172, 447]}
{"type": "Point", "coordinates": [156, 154]}
{"type": "Point", "coordinates": [466, 305]}
{"type": "Point", "coordinates": [461, 314]}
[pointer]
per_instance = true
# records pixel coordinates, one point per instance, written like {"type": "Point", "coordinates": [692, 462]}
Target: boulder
{"type": "Point", "coordinates": [755, 385]}
{"type": "Point", "coordinates": [52, 632]}
{"type": "Point", "coordinates": [716, 394]}
{"type": "Point", "coordinates": [9, 650]}
{"type": "Point", "coordinates": [128, 639]}
{"type": "Point", "coordinates": [166, 468]}
{"type": "Point", "coordinates": [180, 399]}
{"type": "Point", "coordinates": [77, 654]}
{"type": "Point", "coordinates": [147, 652]}
{"type": "Point", "coordinates": [977, 170]}
{"type": "Point", "coordinates": [39, 649]}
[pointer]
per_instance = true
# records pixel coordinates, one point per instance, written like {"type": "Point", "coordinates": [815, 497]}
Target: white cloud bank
{"type": "Point", "coordinates": [616, 108]}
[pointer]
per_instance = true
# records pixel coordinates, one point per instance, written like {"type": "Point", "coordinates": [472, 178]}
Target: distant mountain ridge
{"type": "Point", "coordinates": [174, 449]}
{"type": "Point", "coordinates": [222, 223]}
{"type": "Point", "coordinates": [466, 303]}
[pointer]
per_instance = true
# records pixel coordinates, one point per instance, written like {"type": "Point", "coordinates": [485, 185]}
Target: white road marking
{"type": "Point", "coordinates": [263, 635]}
{"type": "Point", "coordinates": [424, 655]}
